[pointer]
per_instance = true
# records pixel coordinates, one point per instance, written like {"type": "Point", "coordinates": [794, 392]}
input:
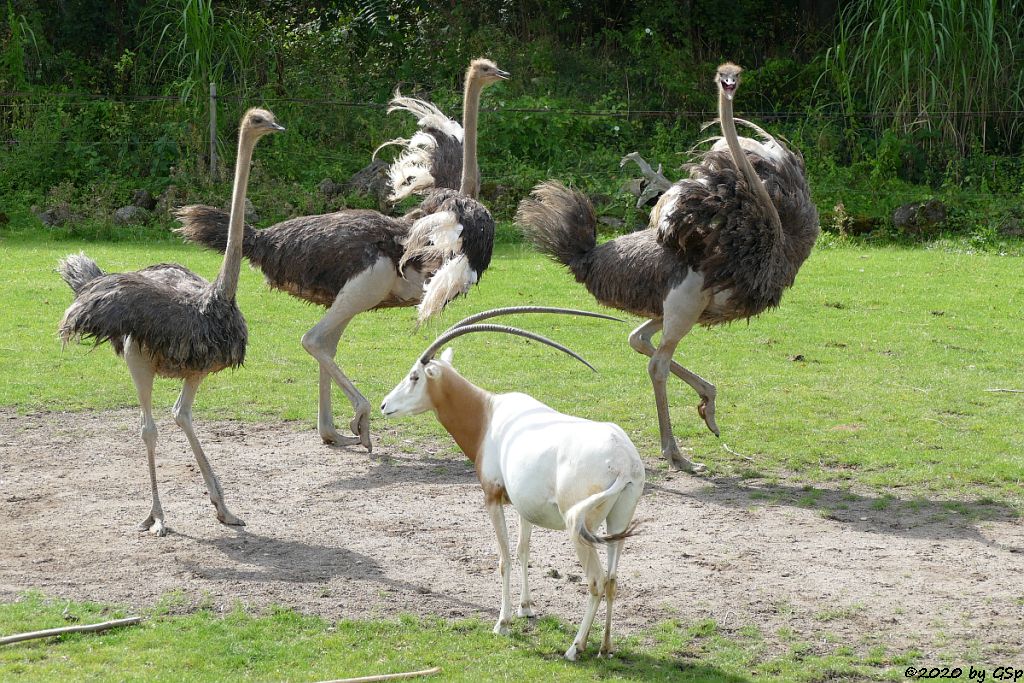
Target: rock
{"type": "Point", "coordinates": [131, 215]}
{"type": "Point", "coordinates": [250, 212]}
{"type": "Point", "coordinates": [492, 192]}
{"type": "Point", "coordinates": [330, 189]}
{"type": "Point", "coordinates": [168, 199]}
{"type": "Point", "coordinates": [611, 222]}
{"type": "Point", "coordinates": [920, 218]}
{"type": "Point", "coordinates": [4, 218]}
{"type": "Point", "coordinates": [55, 216]}
{"type": "Point", "coordinates": [1011, 227]}
{"type": "Point", "coordinates": [371, 180]}
{"type": "Point", "coordinates": [144, 200]}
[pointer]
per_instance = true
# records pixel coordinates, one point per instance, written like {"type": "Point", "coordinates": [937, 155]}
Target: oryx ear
{"type": "Point", "coordinates": [447, 354]}
{"type": "Point", "coordinates": [432, 371]}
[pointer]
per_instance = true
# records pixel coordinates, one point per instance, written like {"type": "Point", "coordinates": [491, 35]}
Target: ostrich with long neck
{"type": "Point", "coordinates": [353, 261]}
{"type": "Point", "coordinates": [722, 245]}
{"type": "Point", "coordinates": [433, 157]}
{"type": "Point", "coordinates": [166, 320]}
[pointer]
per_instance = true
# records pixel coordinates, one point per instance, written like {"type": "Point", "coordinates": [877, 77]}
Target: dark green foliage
{"type": "Point", "coordinates": [591, 82]}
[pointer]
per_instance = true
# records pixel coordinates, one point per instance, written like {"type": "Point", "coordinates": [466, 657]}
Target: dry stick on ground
{"type": "Point", "coordinates": [1006, 391]}
{"type": "Point", "coordinates": [387, 677]}
{"type": "Point", "coordinates": [129, 621]}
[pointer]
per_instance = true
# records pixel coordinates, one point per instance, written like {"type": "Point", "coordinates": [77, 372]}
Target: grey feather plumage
{"type": "Point", "coordinates": [312, 257]}
{"type": "Point", "coordinates": [718, 227]}
{"type": "Point", "coordinates": [175, 316]}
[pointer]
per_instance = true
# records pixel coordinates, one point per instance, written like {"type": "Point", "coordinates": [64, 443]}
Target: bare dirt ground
{"type": "Point", "coordinates": [337, 533]}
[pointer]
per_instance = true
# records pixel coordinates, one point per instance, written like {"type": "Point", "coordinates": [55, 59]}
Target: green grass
{"type": "Point", "coordinates": [873, 371]}
{"type": "Point", "coordinates": [282, 645]}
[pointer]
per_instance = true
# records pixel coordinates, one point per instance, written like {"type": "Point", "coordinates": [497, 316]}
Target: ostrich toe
{"type": "Point", "coordinates": [706, 409]}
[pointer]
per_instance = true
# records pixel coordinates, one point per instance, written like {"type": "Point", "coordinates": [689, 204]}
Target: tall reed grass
{"type": "Point", "coordinates": [953, 68]}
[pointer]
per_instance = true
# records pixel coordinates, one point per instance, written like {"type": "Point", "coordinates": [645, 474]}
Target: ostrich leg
{"type": "Point", "coordinates": [359, 294]}
{"type": "Point", "coordinates": [683, 307]}
{"type": "Point", "coordinates": [183, 418]}
{"type": "Point", "coordinates": [141, 370]}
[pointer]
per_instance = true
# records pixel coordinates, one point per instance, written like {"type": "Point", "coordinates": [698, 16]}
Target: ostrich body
{"type": "Point", "coordinates": [432, 157]}
{"type": "Point", "coordinates": [353, 261]}
{"type": "Point", "coordinates": [166, 320]}
{"type": "Point", "coordinates": [722, 245]}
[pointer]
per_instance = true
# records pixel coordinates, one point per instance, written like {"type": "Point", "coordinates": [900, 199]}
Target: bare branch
{"type": "Point", "coordinates": [129, 621]}
{"type": "Point", "coordinates": [386, 677]}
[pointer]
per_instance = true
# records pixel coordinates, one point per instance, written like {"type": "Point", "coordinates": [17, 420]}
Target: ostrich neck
{"type": "Point", "coordinates": [470, 112]}
{"type": "Point", "coordinates": [227, 279]}
{"type": "Point", "coordinates": [740, 158]}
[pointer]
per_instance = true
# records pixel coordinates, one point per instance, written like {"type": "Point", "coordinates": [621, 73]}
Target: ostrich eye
{"type": "Point", "coordinates": [257, 119]}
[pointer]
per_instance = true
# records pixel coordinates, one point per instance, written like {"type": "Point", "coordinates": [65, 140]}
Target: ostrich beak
{"type": "Point", "coordinates": [278, 128]}
{"type": "Point", "coordinates": [503, 75]}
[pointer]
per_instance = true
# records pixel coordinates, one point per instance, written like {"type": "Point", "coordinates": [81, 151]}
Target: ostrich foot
{"type": "Point", "coordinates": [525, 610]}
{"type": "Point", "coordinates": [706, 409]}
{"type": "Point", "coordinates": [331, 437]}
{"type": "Point", "coordinates": [681, 462]}
{"type": "Point", "coordinates": [360, 426]}
{"type": "Point", "coordinates": [573, 652]}
{"type": "Point", "coordinates": [501, 628]}
{"type": "Point", "coordinates": [154, 525]}
{"type": "Point", "coordinates": [225, 517]}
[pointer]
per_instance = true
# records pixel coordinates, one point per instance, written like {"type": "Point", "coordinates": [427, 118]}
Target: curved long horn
{"type": "Point", "coordinates": [459, 331]}
{"type": "Point", "coordinates": [512, 310]}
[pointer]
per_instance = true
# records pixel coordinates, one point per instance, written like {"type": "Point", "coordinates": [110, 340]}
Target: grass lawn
{"type": "Point", "coordinates": [874, 373]}
{"type": "Point", "coordinates": [875, 370]}
{"type": "Point", "coordinates": [282, 645]}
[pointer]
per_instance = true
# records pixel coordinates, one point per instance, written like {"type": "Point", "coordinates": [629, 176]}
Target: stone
{"type": "Point", "coordinates": [131, 215]}
{"type": "Point", "coordinates": [168, 200]}
{"type": "Point", "coordinates": [54, 216]}
{"type": "Point", "coordinates": [330, 189]}
{"type": "Point", "coordinates": [144, 200]}
{"type": "Point", "coordinates": [920, 218]}
{"type": "Point", "coordinates": [371, 180]}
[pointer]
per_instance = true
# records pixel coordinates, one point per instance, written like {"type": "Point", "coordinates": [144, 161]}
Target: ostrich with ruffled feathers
{"type": "Point", "coordinates": [722, 245]}
{"type": "Point", "coordinates": [355, 260]}
{"type": "Point", "coordinates": [166, 320]}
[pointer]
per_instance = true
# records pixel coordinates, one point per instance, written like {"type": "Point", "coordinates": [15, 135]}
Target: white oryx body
{"type": "Point", "coordinates": [558, 471]}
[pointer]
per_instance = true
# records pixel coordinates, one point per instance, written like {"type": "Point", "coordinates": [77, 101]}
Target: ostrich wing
{"type": "Point", "coordinates": [432, 158]}
{"type": "Point", "coordinates": [720, 226]}
{"type": "Point", "coordinates": [170, 311]}
{"type": "Point", "coordinates": [312, 257]}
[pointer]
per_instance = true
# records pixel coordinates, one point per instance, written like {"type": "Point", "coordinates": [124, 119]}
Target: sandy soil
{"type": "Point", "coordinates": [341, 534]}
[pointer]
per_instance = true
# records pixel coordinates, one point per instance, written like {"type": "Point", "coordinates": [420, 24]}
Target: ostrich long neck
{"type": "Point", "coordinates": [740, 158]}
{"type": "Point", "coordinates": [227, 280]}
{"type": "Point", "coordinates": [470, 112]}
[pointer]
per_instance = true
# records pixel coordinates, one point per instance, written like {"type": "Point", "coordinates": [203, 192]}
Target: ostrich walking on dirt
{"type": "Point", "coordinates": [723, 244]}
{"type": "Point", "coordinates": [432, 157]}
{"type": "Point", "coordinates": [353, 261]}
{"type": "Point", "coordinates": [168, 321]}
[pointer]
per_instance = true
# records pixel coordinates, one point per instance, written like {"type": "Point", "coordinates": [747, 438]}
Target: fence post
{"type": "Point", "coordinates": [213, 131]}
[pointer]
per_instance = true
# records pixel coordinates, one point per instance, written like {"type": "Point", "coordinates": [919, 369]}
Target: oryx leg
{"type": "Point", "coordinates": [525, 604]}
{"type": "Point", "coordinates": [497, 514]}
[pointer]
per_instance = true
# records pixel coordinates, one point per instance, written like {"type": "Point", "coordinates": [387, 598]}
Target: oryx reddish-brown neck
{"type": "Point", "coordinates": [463, 408]}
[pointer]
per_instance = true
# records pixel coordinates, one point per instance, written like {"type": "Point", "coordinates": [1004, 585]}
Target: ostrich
{"type": "Point", "coordinates": [166, 320]}
{"type": "Point", "coordinates": [722, 245]}
{"type": "Point", "coordinates": [353, 261]}
{"type": "Point", "coordinates": [432, 157]}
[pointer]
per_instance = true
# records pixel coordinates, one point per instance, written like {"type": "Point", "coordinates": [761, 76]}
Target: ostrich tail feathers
{"type": "Point", "coordinates": [78, 270]}
{"type": "Point", "coordinates": [453, 278]}
{"type": "Point", "coordinates": [559, 221]}
{"type": "Point", "coordinates": [208, 227]}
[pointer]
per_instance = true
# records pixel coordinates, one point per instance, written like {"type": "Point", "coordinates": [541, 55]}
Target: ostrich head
{"type": "Point", "coordinates": [259, 122]}
{"type": "Point", "coordinates": [485, 72]}
{"type": "Point", "coordinates": [728, 79]}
